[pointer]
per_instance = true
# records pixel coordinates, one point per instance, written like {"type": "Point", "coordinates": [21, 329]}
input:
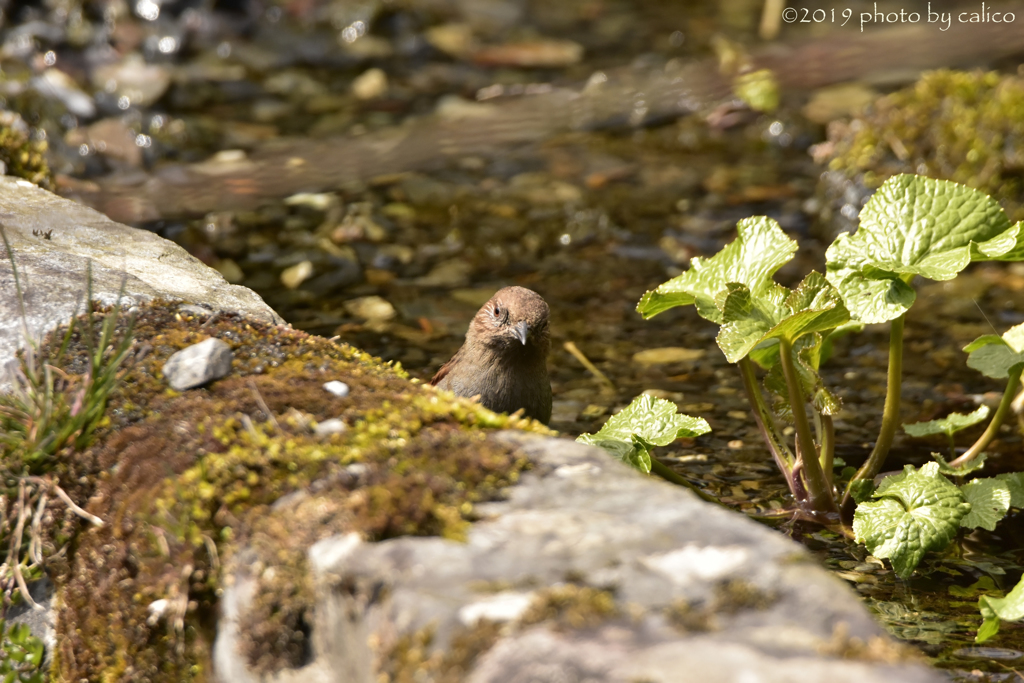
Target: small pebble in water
{"type": "Point", "coordinates": [339, 389]}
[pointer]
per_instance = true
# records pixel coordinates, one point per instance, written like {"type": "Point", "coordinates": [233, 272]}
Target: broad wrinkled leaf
{"type": "Point", "coordinates": [655, 420]}
{"type": "Point", "coordinates": [949, 425]}
{"type": "Point", "coordinates": [748, 320]}
{"type": "Point", "coordinates": [633, 453]}
{"type": "Point", "coordinates": [647, 422]}
{"type": "Point", "coordinates": [1015, 481]}
{"type": "Point", "coordinates": [989, 499]}
{"type": "Point", "coordinates": [915, 226]}
{"type": "Point", "coordinates": [914, 512]}
{"type": "Point", "coordinates": [760, 249]}
{"type": "Point", "coordinates": [1010, 608]}
{"type": "Point", "coordinates": [995, 356]}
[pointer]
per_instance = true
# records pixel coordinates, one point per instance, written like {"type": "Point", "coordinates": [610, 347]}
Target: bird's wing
{"type": "Point", "coordinates": [445, 369]}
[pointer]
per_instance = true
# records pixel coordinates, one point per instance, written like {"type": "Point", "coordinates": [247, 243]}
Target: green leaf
{"type": "Point", "coordinates": [21, 654]}
{"type": "Point", "coordinates": [634, 453]}
{"type": "Point", "coordinates": [916, 511]}
{"type": "Point", "coordinates": [1015, 482]}
{"type": "Point", "coordinates": [860, 489]}
{"type": "Point", "coordinates": [914, 226]}
{"type": "Point", "coordinates": [989, 499]}
{"type": "Point", "coordinates": [1014, 254]}
{"type": "Point", "coordinates": [988, 628]}
{"type": "Point", "coordinates": [984, 584]}
{"type": "Point", "coordinates": [948, 425]}
{"type": "Point", "coordinates": [995, 356]}
{"type": "Point", "coordinates": [647, 422]}
{"type": "Point", "coordinates": [760, 249]}
{"type": "Point", "coordinates": [655, 420]}
{"type": "Point", "coordinates": [1010, 608]}
{"type": "Point", "coordinates": [961, 470]}
{"type": "Point", "coordinates": [766, 354]}
{"type": "Point", "coordinates": [808, 356]}
{"type": "Point", "coordinates": [748, 320]}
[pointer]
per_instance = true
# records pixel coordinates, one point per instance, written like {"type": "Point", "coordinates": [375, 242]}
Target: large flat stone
{"type": "Point", "coordinates": [583, 518]}
{"type": "Point", "coordinates": [52, 270]}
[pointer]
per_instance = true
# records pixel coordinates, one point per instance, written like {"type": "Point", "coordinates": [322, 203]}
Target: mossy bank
{"type": "Point", "coordinates": [185, 483]}
{"type": "Point", "coordinates": [957, 125]}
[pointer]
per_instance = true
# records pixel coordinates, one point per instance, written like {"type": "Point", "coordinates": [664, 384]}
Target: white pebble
{"type": "Point", "coordinates": [339, 389]}
{"type": "Point", "coordinates": [331, 426]}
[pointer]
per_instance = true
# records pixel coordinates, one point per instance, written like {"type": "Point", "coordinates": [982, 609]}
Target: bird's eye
{"type": "Point", "coordinates": [496, 312]}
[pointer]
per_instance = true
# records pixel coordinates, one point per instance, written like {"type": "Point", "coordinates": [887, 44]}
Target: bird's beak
{"type": "Point", "coordinates": [521, 331]}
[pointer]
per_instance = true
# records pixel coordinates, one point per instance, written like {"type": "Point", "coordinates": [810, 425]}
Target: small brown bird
{"type": "Point", "coordinates": [504, 357]}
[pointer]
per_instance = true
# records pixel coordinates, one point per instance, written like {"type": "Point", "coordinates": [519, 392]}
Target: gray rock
{"type": "Point", "coordinates": [580, 517]}
{"type": "Point", "coordinates": [39, 621]}
{"type": "Point", "coordinates": [198, 364]}
{"type": "Point", "coordinates": [68, 236]}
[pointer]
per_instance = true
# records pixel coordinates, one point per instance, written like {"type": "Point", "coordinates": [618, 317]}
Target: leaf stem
{"type": "Point", "coordinates": [993, 427]}
{"type": "Point", "coordinates": [890, 416]}
{"type": "Point", "coordinates": [828, 446]}
{"type": "Point", "coordinates": [766, 421]}
{"type": "Point", "coordinates": [818, 490]}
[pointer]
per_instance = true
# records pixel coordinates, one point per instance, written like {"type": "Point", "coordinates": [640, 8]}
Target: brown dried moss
{"type": "Point", "coordinates": [730, 597]}
{"type": "Point", "coordinates": [183, 481]}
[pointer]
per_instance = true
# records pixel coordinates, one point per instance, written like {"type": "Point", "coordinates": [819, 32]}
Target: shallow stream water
{"type": "Point", "coordinates": [590, 220]}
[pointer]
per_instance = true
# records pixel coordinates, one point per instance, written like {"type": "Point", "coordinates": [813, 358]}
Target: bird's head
{"type": "Point", "coordinates": [515, 319]}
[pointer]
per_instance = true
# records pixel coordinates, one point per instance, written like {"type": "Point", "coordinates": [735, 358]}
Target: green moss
{"type": "Point", "coordinates": [184, 481]}
{"type": "Point", "coordinates": [690, 618]}
{"type": "Point", "coordinates": [730, 597]}
{"type": "Point", "coordinates": [571, 605]}
{"type": "Point", "coordinates": [411, 658]}
{"type": "Point", "coordinates": [961, 126]}
{"type": "Point", "coordinates": [737, 595]}
{"type": "Point", "coordinates": [21, 155]}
